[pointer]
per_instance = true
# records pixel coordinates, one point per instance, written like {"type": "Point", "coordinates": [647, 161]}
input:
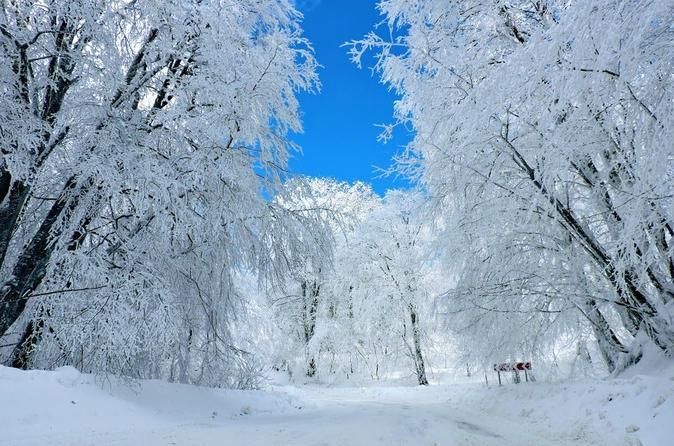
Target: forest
{"type": "Point", "coordinates": [151, 228]}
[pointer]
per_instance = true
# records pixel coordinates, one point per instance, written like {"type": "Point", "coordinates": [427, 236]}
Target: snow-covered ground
{"type": "Point", "coordinates": [68, 408]}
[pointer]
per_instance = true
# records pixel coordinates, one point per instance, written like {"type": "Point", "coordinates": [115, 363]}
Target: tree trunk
{"type": "Point", "coordinates": [20, 358]}
{"type": "Point", "coordinates": [638, 312]}
{"type": "Point", "coordinates": [610, 346]}
{"type": "Point", "coordinates": [15, 196]}
{"type": "Point", "coordinates": [309, 312]}
{"type": "Point", "coordinates": [419, 363]}
{"type": "Point", "coordinates": [31, 266]}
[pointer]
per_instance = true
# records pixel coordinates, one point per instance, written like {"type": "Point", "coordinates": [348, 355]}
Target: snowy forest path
{"type": "Point", "coordinates": [65, 408]}
{"type": "Point", "coordinates": [381, 416]}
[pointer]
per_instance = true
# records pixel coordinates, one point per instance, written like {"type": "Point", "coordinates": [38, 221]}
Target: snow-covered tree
{"type": "Point", "coordinates": [543, 131]}
{"type": "Point", "coordinates": [366, 314]}
{"type": "Point", "coordinates": [136, 138]}
{"type": "Point", "coordinates": [385, 271]}
{"type": "Point", "coordinates": [304, 305]}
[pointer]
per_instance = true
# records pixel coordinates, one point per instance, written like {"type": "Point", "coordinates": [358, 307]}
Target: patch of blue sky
{"type": "Point", "coordinates": [341, 123]}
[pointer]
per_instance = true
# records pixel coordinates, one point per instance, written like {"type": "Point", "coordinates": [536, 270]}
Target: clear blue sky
{"type": "Point", "coordinates": [340, 133]}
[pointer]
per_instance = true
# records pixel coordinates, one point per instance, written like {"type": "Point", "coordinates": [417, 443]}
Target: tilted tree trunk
{"type": "Point", "coordinates": [15, 196]}
{"type": "Point", "coordinates": [31, 266]}
{"type": "Point", "coordinates": [609, 344]}
{"type": "Point", "coordinates": [32, 334]}
{"type": "Point", "coordinates": [637, 310]}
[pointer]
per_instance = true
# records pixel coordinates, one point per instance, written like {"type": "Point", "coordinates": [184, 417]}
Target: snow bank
{"type": "Point", "coordinates": [635, 409]}
{"type": "Point", "coordinates": [632, 411]}
{"type": "Point", "coordinates": [65, 407]}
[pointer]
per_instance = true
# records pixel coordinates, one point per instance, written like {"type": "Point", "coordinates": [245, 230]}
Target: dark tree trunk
{"type": "Point", "coordinates": [311, 369]}
{"type": "Point", "coordinates": [419, 363]}
{"type": "Point", "coordinates": [633, 305]}
{"type": "Point", "coordinates": [11, 205]}
{"type": "Point", "coordinates": [610, 346]}
{"type": "Point", "coordinates": [31, 266]}
{"type": "Point", "coordinates": [21, 355]}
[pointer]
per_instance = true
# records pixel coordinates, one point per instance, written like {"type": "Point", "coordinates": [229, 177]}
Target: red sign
{"type": "Point", "coordinates": [508, 366]}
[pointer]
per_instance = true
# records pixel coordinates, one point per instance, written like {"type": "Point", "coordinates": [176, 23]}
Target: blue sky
{"type": "Point", "coordinates": [340, 133]}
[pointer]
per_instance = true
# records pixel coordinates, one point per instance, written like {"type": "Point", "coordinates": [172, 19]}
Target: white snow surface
{"type": "Point", "coordinates": [65, 407]}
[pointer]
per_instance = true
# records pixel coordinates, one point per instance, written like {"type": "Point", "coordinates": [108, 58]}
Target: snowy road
{"type": "Point", "coordinates": [354, 422]}
{"type": "Point", "coordinates": [359, 422]}
{"type": "Point", "coordinates": [65, 408]}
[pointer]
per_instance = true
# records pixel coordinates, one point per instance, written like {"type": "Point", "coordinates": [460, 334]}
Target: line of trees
{"type": "Point", "coordinates": [143, 187]}
{"type": "Point", "coordinates": [544, 136]}
{"type": "Point", "coordinates": [135, 139]}
{"type": "Point", "coordinates": [366, 313]}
